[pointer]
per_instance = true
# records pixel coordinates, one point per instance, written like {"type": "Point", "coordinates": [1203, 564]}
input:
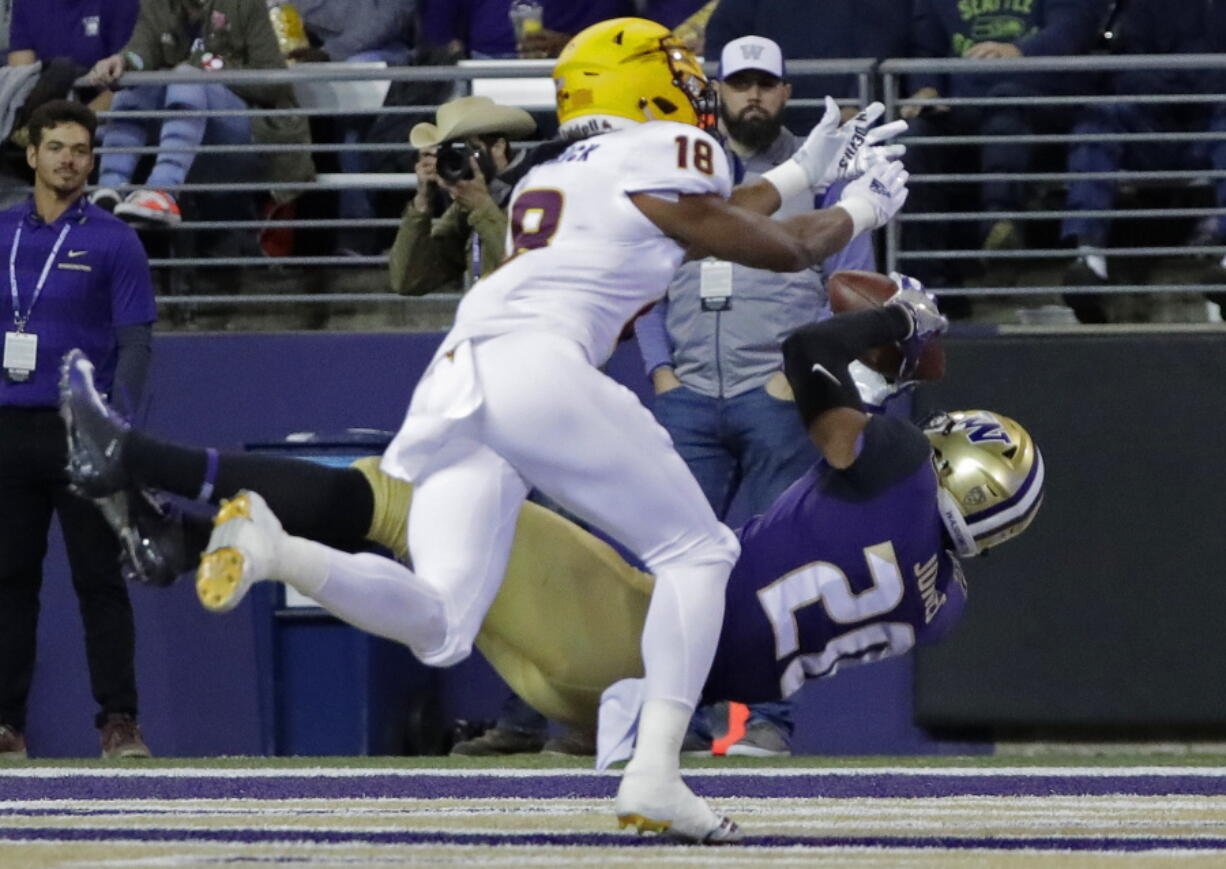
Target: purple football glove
{"type": "Point", "coordinates": [926, 320]}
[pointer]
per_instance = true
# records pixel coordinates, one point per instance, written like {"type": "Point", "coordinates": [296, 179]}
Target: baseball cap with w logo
{"type": "Point", "coordinates": [751, 52]}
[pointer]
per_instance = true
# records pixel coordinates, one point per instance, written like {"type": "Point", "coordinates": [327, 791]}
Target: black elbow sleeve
{"type": "Point", "coordinates": [815, 363]}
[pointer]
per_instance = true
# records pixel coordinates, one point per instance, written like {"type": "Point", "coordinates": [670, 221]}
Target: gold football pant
{"type": "Point", "coordinates": [568, 618]}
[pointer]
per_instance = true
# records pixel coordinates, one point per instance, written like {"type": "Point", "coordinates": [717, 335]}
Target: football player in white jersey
{"type": "Point", "coordinates": [514, 398]}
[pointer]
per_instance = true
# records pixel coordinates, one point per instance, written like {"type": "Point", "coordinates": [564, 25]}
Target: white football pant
{"type": "Point", "coordinates": [536, 413]}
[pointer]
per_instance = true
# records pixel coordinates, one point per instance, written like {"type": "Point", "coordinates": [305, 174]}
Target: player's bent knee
{"type": "Point", "coordinates": [719, 547]}
{"type": "Point", "coordinates": [453, 650]}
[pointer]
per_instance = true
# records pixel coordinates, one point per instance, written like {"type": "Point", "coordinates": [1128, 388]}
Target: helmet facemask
{"type": "Point", "coordinates": [692, 82]}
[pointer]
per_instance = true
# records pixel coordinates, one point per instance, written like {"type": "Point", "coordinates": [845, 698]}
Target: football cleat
{"type": "Point", "coordinates": [153, 547]}
{"type": "Point", "coordinates": [95, 432]}
{"type": "Point", "coordinates": [626, 71]}
{"type": "Point", "coordinates": [241, 550]}
{"type": "Point", "coordinates": [991, 476]}
{"type": "Point", "coordinates": [671, 809]}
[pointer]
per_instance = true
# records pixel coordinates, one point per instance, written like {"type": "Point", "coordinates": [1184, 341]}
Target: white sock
{"type": "Point", "coordinates": [379, 596]}
{"type": "Point", "coordinates": [657, 749]}
{"type": "Point", "coordinates": [302, 564]}
{"type": "Point", "coordinates": [681, 630]}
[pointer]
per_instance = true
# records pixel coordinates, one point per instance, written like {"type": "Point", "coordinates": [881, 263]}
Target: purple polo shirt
{"type": "Point", "coordinates": [566, 16]}
{"type": "Point", "coordinates": [670, 13]}
{"type": "Point", "coordinates": [83, 30]}
{"type": "Point", "coordinates": [484, 26]}
{"type": "Point", "coordinates": [98, 281]}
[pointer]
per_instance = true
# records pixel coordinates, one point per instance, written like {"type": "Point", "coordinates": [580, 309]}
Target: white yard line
{"type": "Point", "coordinates": [195, 772]}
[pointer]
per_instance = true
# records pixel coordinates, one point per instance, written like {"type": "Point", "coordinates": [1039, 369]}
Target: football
{"type": "Point", "coordinates": [855, 290]}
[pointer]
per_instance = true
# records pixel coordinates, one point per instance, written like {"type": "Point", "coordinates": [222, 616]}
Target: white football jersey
{"type": "Point", "coordinates": [583, 261]}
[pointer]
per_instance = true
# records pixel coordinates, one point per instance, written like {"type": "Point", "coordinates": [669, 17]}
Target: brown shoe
{"type": "Point", "coordinates": [12, 743]}
{"type": "Point", "coordinates": [573, 743]}
{"type": "Point", "coordinates": [121, 738]}
{"type": "Point", "coordinates": [498, 741]}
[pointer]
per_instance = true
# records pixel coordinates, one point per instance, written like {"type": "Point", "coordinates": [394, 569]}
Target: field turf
{"type": "Point", "coordinates": [1051, 811]}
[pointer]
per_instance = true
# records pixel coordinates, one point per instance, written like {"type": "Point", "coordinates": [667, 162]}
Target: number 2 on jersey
{"type": "Point", "coordinates": [824, 583]}
{"type": "Point", "coordinates": [534, 218]}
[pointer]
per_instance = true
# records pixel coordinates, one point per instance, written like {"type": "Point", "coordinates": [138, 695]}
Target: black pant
{"type": "Point", "coordinates": [33, 484]}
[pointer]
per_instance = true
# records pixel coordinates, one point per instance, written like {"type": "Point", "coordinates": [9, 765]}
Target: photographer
{"type": "Point", "coordinates": [461, 157]}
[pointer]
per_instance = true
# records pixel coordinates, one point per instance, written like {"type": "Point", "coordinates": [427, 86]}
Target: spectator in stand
{"type": "Point", "coordinates": [356, 31]}
{"type": "Point", "coordinates": [1147, 27]}
{"type": "Point", "coordinates": [562, 19]}
{"type": "Point", "coordinates": [483, 29]}
{"type": "Point", "coordinates": [686, 18]}
{"type": "Point", "coordinates": [468, 239]}
{"type": "Point", "coordinates": [84, 31]}
{"type": "Point", "coordinates": [804, 29]}
{"type": "Point", "coordinates": [713, 352]}
{"type": "Point", "coordinates": [949, 28]}
{"type": "Point", "coordinates": [78, 279]}
{"type": "Point", "coordinates": [194, 35]}
{"type": "Point", "coordinates": [76, 32]}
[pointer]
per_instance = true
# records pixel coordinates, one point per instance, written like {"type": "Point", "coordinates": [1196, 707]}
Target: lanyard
{"type": "Point", "coordinates": [476, 257]}
{"type": "Point", "coordinates": [19, 322]}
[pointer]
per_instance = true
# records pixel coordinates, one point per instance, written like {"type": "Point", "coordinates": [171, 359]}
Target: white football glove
{"type": "Point", "coordinates": [876, 196]}
{"type": "Point", "coordinates": [864, 147]}
{"type": "Point", "coordinates": [834, 152]}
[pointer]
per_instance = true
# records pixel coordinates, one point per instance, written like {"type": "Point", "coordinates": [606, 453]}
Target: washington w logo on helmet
{"type": "Point", "coordinates": [991, 475]}
{"type": "Point", "coordinates": [627, 71]}
{"type": "Point", "coordinates": [985, 428]}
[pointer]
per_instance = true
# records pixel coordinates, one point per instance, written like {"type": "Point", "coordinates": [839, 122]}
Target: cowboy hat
{"type": "Point", "coordinates": [472, 116]}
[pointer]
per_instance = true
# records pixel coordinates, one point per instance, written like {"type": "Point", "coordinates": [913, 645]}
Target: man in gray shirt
{"type": "Point", "coordinates": [712, 348]}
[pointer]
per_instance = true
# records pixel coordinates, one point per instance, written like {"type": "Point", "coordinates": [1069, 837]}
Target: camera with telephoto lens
{"type": "Point", "coordinates": [455, 162]}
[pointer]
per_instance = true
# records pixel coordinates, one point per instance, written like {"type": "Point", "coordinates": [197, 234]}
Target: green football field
{"type": "Point", "coordinates": [1053, 810]}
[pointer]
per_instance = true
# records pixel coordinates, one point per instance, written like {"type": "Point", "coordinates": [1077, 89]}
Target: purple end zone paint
{"type": "Point", "coordinates": [584, 786]}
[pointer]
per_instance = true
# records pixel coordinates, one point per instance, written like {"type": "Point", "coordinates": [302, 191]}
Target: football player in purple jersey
{"type": "Point", "coordinates": [857, 561]}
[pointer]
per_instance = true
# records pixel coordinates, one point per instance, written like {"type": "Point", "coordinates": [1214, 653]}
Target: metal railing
{"type": "Point", "coordinates": [898, 254]}
{"type": "Point", "coordinates": [885, 79]}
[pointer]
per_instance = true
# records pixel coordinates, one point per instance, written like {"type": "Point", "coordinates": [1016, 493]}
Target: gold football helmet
{"type": "Point", "coordinates": [991, 476]}
{"type": "Point", "coordinates": [629, 70]}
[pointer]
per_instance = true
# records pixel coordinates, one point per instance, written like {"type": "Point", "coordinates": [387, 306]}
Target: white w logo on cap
{"type": "Point", "coordinates": [751, 52]}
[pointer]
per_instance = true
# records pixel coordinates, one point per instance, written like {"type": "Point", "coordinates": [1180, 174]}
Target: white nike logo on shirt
{"type": "Point", "coordinates": [818, 368]}
{"type": "Point", "coordinates": [73, 253]}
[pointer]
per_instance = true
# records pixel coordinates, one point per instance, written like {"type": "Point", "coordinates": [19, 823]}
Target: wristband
{"type": "Point", "coordinates": [863, 215]}
{"type": "Point", "coordinates": [789, 178]}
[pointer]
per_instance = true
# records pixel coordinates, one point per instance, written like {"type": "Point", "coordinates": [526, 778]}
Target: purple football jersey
{"type": "Point", "coordinates": [847, 567]}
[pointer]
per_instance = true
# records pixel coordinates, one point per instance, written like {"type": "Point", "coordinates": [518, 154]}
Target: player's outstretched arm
{"type": "Point", "coordinates": [816, 359]}
{"type": "Point", "coordinates": [709, 225]}
{"type": "Point", "coordinates": [712, 226]}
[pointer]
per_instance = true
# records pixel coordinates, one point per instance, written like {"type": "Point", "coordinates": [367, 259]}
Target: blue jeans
{"type": "Point", "coordinates": [175, 136]}
{"type": "Point", "coordinates": [356, 204]}
{"type": "Point", "coordinates": [1101, 156]}
{"type": "Point", "coordinates": [753, 444]}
